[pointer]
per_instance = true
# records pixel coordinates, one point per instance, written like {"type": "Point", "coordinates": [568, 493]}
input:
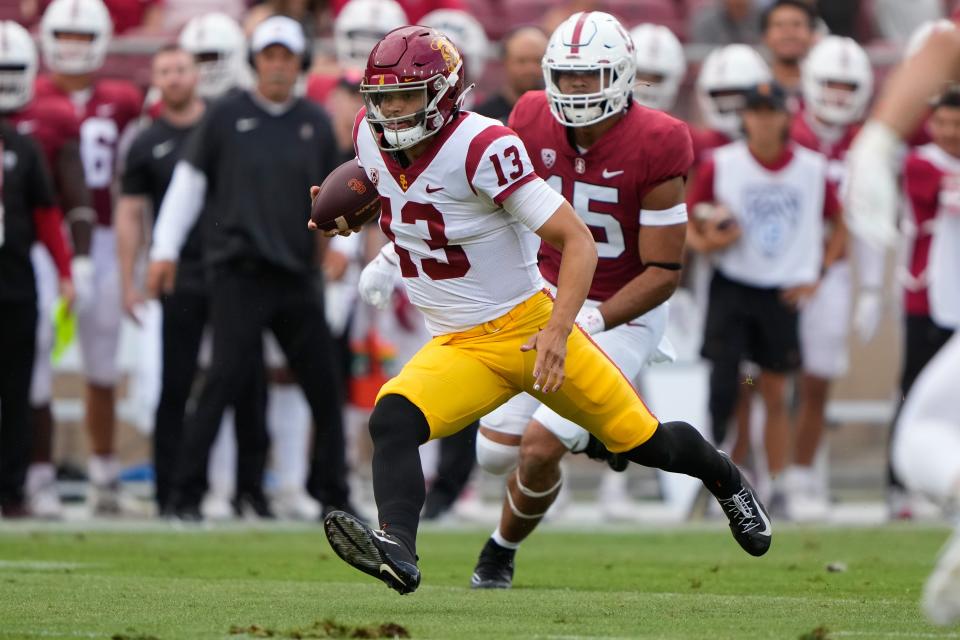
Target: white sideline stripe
{"type": "Point", "coordinates": [43, 633]}
{"type": "Point", "coordinates": [41, 565]}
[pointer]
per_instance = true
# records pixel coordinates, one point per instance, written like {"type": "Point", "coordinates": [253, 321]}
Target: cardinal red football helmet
{"type": "Point", "coordinates": [412, 59]}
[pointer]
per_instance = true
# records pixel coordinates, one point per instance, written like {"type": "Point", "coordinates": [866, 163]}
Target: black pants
{"type": "Point", "coordinates": [243, 302]}
{"type": "Point", "coordinates": [18, 327]}
{"type": "Point", "coordinates": [922, 340]}
{"type": "Point", "coordinates": [185, 314]}
{"type": "Point", "coordinates": [744, 323]}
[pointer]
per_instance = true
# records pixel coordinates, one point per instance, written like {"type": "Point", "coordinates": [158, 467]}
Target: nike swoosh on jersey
{"type": "Point", "coordinates": [246, 124]}
{"type": "Point", "coordinates": [162, 149]}
{"type": "Point", "coordinates": [433, 189]}
{"type": "Point", "coordinates": [611, 174]}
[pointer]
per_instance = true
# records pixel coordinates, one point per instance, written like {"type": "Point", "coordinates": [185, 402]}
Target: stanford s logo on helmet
{"type": "Point", "coordinates": [417, 59]}
{"type": "Point", "coordinates": [590, 41]}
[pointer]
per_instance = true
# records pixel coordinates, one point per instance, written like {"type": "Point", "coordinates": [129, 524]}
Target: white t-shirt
{"type": "Point", "coordinates": [780, 212]}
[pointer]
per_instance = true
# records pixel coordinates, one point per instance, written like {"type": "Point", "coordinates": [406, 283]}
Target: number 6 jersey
{"type": "Point", "coordinates": [104, 111]}
{"type": "Point", "coordinates": [607, 182]}
{"type": "Point", "coordinates": [465, 260]}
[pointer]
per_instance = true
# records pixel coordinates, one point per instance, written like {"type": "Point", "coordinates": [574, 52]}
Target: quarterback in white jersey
{"type": "Point", "coordinates": [459, 202]}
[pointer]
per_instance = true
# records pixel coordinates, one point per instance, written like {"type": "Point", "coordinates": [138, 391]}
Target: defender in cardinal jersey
{"type": "Point", "coordinates": [460, 200]}
{"type": "Point", "coordinates": [74, 36]}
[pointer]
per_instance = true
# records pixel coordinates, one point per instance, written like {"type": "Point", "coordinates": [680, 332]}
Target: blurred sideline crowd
{"type": "Point", "coordinates": [97, 159]}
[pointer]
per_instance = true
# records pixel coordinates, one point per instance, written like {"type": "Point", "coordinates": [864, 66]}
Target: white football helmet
{"type": "Point", "coordinates": [360, 25]}
{"type": "Point", "coordinates": [75, 17]}
{"type": "Point", "coordinates": [590, 41]}
{"type": "Point", "coordinates": [836, 59]}
{"type": "Point", "coordinates": [659, 54]}
{"type": "Point", "coordinates": [466, 33]}
{"type": "Point", "coordinates": [18, 66]}
{"type": "Point", "coordinates": [724, 77]}
{"type": "Point", "coordinates": [219, 47]}
{"type": "Point", "coordinates": [920, 35]}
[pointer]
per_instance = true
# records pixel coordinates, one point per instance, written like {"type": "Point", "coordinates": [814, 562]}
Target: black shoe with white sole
{"type": "Point", "coordinates": [494, 568]}
{"type": "Point", "coordinates": [748, 518]}
{"type": "Point", "coordinates": [374, 552]}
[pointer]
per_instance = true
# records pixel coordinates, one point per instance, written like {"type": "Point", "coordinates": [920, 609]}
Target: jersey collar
{"type": "Point", "coordinates": [408, 175]}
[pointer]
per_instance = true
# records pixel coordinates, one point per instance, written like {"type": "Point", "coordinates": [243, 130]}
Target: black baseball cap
{"type": "Point", "coordinates": [766, 94]}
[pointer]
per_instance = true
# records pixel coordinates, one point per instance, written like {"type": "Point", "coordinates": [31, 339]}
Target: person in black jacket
{"type": "Point", "coordinates": [252, 161]}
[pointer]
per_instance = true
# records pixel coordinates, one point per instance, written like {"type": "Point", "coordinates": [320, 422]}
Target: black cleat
{"type": "Point", "coordinates": [596, 450]}
{"type": "Point", "coordinates": [748, 518]}
{"type": "Point", "coordinates": [494, 568]}
{"type": "Point", "coordinates": [374, 552]}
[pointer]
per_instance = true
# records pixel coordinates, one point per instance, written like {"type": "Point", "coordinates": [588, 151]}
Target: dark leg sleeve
{"type": "Point", "coordinates": [398, 428]}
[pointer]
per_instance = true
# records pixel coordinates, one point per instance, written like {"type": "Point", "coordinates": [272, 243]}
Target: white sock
{"type": "Point", "coordinates": [288, 420]}
{"type": "Point", "coordinates": [503, 542]}
{"type": "Point", "coordinates": [103, 470]}
{"type": "Point", "coordinates": [222, 465]}
{"type": "Point", "coordinates": [40, 474]}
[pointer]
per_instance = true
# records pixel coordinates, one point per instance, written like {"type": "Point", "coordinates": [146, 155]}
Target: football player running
{"type": "Point", "coordinates": [74, 35]}
{"type": "Point", "coordinates": [632, 199]}
{"type": "Point", "coordinates": [927, 440]}
{"type": "Point", "coordinates": [459, 201]}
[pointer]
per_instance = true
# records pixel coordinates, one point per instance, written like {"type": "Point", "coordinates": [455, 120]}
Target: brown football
{"type": "Point", "coordinates": [346, 200]}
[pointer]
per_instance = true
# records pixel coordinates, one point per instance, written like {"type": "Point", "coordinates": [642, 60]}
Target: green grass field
{"type": "Point", "coordinates": [678, 583]}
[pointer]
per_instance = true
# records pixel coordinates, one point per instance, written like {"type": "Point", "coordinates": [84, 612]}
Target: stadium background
{"type": "Point", "coordinates": [862, 401]}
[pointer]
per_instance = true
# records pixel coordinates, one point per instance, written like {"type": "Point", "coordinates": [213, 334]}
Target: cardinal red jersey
{"type": "Point", "coordinates": [606, 183]}
{"type": "Point", "coordinates": [704, 142]}
{"type": "Point", "coordinates": [931, 182]}
{"type": "Point", "coordinates": [805, 134]}
{"type": "Point", "coordinates": [52, 122]}
{"type": "Point", "coordinates": [106, 112]}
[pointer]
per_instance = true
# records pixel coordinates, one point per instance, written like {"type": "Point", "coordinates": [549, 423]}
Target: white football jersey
{"type": "Point", "coordinates": [780, 213]}
{"type": "Point", "coordinates": [464, 259]}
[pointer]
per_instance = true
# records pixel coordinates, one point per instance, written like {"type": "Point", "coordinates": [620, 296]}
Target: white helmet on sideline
{"type": "Point", "coordinates": [660, 59]}
{"type": "Point", "coordinates": [466, 33]}
{"type": "Point", "coordinates": [724, 77]}
{"type": "Point", "coordinates": [86, 18]}
{"type": "Point", "coordinates": [360, 25]}
{"type": "Point", "coordinates": [843, 63]}
{"type": "Point", "coordinates": [18, 66]}
{"type": "Point", "coordinates": [590, 41]}
{"type": "Point", "coordinates": [219, 47]}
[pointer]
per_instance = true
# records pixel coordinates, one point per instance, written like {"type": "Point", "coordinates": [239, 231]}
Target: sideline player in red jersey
{"type": "Point", "coordinates": [52, 122]}
{"type": "Point", "coordinates": [471, 269]}
{"type": "Point", "coordinates": [74, 35]}
{"type": "Point", "coordinates": [837, 84]}
{"type": "Point", "coordinates": [632, 199]}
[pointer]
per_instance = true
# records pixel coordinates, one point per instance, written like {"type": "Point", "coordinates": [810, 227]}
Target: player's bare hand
{"type": "Point", "coordinates": [798, 296]}
{"type": "Point", "coordinates": [67, 292]}
{"type": "Point", "coordinates": [161, 277]}
{"type": "Point", "coordinates": [551, 346]}
{"type": "Point", "coordinates": [314, 190]}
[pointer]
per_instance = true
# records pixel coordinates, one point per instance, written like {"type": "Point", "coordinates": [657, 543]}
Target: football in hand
{"type": "Point", "coordinates": [346, 200]}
